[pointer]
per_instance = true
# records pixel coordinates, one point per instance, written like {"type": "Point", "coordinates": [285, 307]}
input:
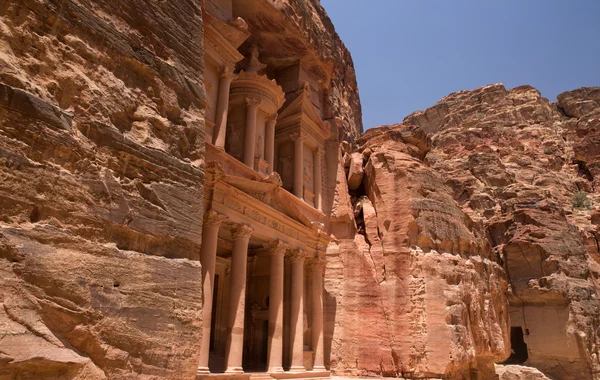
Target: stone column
{"type": "Point", "coordinates": [237, 298]}
{"type": "Point", "coordinates": [317, 179]}
{"type": "Point", "coordinates": [270, 143]}
{"type": "Point", "coordinates": [208, 258]}
{"type": "Point", "coordinates": [220, 130]}
{"type": "Point", "coordinates": [276, 308]}
{"type": "Point", "coordinates": [317, 267]}
{"type": "Point", "coordinates": [298, 164]}
{"type": "Point", "coordinates": [297, 312]}
{"type": "Point", "coordinates": [250, 137]}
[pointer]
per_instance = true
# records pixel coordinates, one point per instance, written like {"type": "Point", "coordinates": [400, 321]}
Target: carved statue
{"type": "Point", "coordinates": [259, 146]}
{"type": "Point", "coordinates": [253, 65]}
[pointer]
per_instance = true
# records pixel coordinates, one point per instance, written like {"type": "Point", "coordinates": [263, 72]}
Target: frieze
{"type": "Point", "coordinates": [253, 91]}
{"type": "Point", "coordinates": [303, 234]}
{"type": "Point", "coordinates": [307, 132]}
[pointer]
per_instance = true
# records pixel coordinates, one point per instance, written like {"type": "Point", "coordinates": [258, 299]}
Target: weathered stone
{"type": "Point", "coordinates": [355, 171]}
{"type": "Point", "coordinates": [518, 372]}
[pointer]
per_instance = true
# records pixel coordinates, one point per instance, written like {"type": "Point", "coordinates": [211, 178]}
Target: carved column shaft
{"type": "Point", "coordinates": [317, 180]}
{"type": "Point", "coordinates": [237, 298]}
{"type": "Point", "coordinates": [276, 309]}
{"type": "Point", "coordinates": [250, 138]}
{"type": "Point", "coordinates": [297, 313]}
{"type": "Point", "coordinates": [317, 313]}
{"type": "Point", "coordinates": [270, 143]}
{"type": "Point", "coordinates": [220, 130]}
{"type": "Point", "coordinates": [208, 257]}
{"type": "Point", "coordinates": [298, 165]}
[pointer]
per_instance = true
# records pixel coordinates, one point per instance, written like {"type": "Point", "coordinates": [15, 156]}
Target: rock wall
{"type": "Point", "coordinates": [473, 218]}
{"type": "Point", "coordinates": [101, 167]}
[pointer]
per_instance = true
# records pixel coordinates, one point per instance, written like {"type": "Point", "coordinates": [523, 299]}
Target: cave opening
{"type": "Point", "coordinates": [519, 353]}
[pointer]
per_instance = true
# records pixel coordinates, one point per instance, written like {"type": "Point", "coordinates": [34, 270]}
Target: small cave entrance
{"type": "Point", "coordinates": [519, 353]}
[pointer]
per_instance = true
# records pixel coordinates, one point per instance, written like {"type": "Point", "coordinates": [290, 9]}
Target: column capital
{"type": "Point", "coordinates": [271, 118]}
{"type": "Point", "coordinates": [318, 151]}
{"type": "Point", "coordinates": [276, 248]}
{"type": "Point", "coordinates": [213, 218]}
{"type": "Point", "coordinates": [241, 231]}
{"type": "Point", "coordinates": [296, 256]}
{"type": "Point", "coordinates": [227, 73]}
{"type": "Point", "coordinates": [297, 136]}
{"type": "Point", "coordinates": [317, 262]}
{"type": "Point", "coordinates": [252, 102]}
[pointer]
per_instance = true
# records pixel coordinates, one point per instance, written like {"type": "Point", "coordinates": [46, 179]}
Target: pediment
{"type": "Point", "coordinates": [269, 192]}
{"type": "Point", "coordinates": [233, 32]}
{"type": "Point", "coordinates": [302, 106]}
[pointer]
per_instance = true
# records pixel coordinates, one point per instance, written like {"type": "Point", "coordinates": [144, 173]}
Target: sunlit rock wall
{"type": "Point", "coordinates": [101, 188]}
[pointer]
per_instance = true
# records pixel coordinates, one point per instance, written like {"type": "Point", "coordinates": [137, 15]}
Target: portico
{"type": "Point", "coordinates": [247, 239]}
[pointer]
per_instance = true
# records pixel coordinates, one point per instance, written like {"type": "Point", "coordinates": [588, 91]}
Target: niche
{"type": "Point", "coordinates": [519, 353]}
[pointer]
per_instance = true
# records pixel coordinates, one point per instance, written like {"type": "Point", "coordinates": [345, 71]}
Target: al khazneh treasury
{"type": "Point", "coordinates": [269, 137]}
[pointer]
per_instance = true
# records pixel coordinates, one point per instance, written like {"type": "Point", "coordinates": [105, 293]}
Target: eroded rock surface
{"type": "Point", "coordinates": [475, 225]}
{"type": "Point", "coordinates": [101, 167]}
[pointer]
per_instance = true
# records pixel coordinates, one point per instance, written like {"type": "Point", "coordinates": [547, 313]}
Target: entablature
{"type": "Point", "coordinates": [269, 222]}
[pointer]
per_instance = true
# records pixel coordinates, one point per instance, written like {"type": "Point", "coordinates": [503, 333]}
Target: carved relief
{"type": "Point", "coordinates": [308, 172]}
{"type": "Point", "coordinates": [259, 146]}
{"type": "Point", "coordinates": [287, 172]}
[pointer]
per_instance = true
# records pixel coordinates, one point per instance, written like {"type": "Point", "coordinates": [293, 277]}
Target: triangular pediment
{"type": "Point", "coordinates": [270, 193]}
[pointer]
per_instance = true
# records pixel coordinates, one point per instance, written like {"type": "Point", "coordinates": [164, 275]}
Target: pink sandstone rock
{"type": "Point", "coordinates": [355, 171]}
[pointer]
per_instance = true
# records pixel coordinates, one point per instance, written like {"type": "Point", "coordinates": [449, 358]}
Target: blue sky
{"type": "Point", "coordinates": [410, 53]}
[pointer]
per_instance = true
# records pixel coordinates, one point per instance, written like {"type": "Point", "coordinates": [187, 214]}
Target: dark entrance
{"type": "Point", "coordinates": [519, 353]}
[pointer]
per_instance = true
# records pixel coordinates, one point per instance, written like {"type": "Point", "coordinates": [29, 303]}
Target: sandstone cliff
{"type": "Point", "coordinates": [474, 223]}
{"type": "Point", "coordinates": [101, 179]}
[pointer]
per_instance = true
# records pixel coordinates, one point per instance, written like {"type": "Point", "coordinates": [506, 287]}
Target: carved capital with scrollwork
{"type": "Point", "coordinates": [271, 118]}
{"type": "Point", "coordinates": [252, 102]}
{"type": "Point", "coordinates": [277, 248]}
{"type": "Point", "coordinates": [297, 136]}
{"type": "Point", "coordinates": [227, 73]}
{"type": "Point", "coordinates": [213, 218]}
{"type": "Point", "coordinates": [241, 231]}
{"type": "Point", "coordinates": [296, 255]}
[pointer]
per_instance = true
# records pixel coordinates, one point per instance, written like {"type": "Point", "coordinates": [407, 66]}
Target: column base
{"type": "Point", "coordinates": [297, 369]}
{"type": "Point", "coordinates": [319, 369]}
{"type": "Point", "coordinates": [234, 370]}
{"type": "Point", "coordinates": [203, 371]}
{"type": "Point", "coordinates": [275, 370]}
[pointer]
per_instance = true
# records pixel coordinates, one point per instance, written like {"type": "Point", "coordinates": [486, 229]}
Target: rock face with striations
{"type": "Point", "coordinates": [101, 153]}
{"type": "Point", "coordinates": [475, 238]}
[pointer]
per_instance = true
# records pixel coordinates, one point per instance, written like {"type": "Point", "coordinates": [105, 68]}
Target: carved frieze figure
{"type": "Point", "coordinates": [259, 146]}
{"type": "Point", "coordinates": [308, 172]}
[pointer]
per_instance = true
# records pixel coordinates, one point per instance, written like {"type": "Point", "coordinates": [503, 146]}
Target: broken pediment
{"type": "Point", "coordinates": [302, 110]}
